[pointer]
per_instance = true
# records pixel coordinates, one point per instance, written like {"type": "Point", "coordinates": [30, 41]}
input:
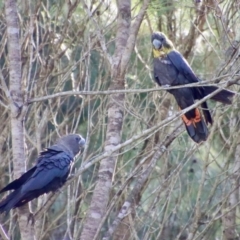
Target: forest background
{"type": "Point", "coordinates": [86, 67]}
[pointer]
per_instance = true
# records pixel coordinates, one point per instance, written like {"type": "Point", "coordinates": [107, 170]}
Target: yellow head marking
{"type": "Point", "coordinates": [161, 52]}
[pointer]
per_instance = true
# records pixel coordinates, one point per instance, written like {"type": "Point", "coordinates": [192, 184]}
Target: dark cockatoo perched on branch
{"type": "Point", "coordinates": [171, 69]}
{"type": "Point", "coordinates": [49, 174]}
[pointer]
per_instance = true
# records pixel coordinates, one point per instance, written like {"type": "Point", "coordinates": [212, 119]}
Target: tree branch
{"type": "Point", "coordinates": [161, 149]}
{"type": "Point", "coordinates": [222, 85]}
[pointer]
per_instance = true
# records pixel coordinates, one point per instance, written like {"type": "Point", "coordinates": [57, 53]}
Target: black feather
{"type": "Point", "coordinates": [49, 174]}
{"type": "Point", "coordinates": [171, 68]}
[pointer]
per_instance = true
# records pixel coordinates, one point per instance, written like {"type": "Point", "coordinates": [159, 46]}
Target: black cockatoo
{"type": "Point", "coordinates": [171, 69]}
{"type": "Point", "coordinates": [49, 174]}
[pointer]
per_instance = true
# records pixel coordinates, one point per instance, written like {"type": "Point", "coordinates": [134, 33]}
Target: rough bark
{"type": "Point", "coordinates": [113, 135]}
{"type": "Point", "coordinates": [125, 42]}
{"type": "Point", "coordinates": [16, 102]}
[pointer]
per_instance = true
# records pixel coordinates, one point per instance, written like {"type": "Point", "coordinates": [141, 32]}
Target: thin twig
{"type": "Point", "coordinates": [161, 149]}
{"type": "Point", "coordinates": [3, 233]}
{"type": "Point", "coordinates": [221, 86]}
{"type": "Point", "coordinates": [149, 132]}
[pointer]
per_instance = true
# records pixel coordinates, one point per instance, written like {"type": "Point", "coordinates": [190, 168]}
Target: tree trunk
{"type": "Point", "coordinates": [16, 102]}
{"type": "Point", "coordinates": [100, 197]}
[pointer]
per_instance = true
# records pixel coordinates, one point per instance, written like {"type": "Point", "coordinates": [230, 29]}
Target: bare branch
{"type": "Point", "coordinates": [126, 207]}
{"type": "Point", "coordinates": [222, 85]}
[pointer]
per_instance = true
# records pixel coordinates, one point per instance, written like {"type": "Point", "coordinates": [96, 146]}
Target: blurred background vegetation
{"type": "Point", "coordinates": [193, 190]}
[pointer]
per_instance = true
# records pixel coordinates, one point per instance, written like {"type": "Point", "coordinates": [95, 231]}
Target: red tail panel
{"type": "Point", "coordinates": [196, 127]}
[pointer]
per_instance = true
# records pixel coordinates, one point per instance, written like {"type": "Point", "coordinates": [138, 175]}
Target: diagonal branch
{"type": "Point", "coordinates": [133, 35]}
{"type": "Point", "coordinates": [126, 207]}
